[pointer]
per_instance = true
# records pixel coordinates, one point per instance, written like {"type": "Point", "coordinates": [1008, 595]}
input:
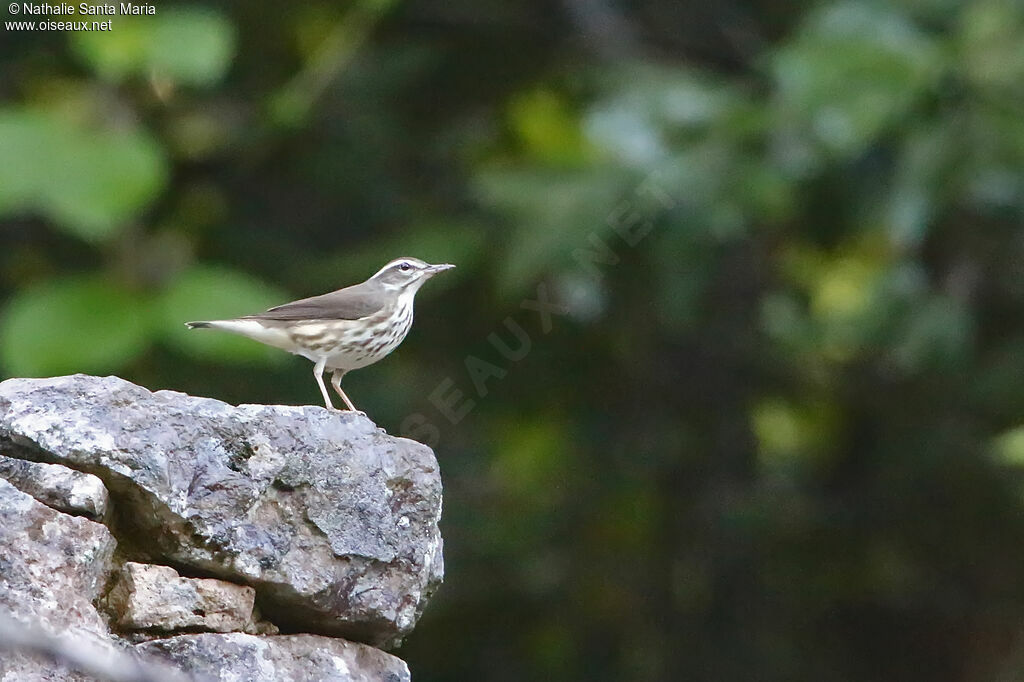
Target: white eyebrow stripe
{"type": "Point", "coordinates": [398, 262]}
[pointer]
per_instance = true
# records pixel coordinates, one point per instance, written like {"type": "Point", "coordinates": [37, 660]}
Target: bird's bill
{"type": "Point", "coordinates": [434, 269]}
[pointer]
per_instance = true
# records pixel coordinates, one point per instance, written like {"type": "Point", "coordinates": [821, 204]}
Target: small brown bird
{"type": "Point", "coordinates": [345, 329]}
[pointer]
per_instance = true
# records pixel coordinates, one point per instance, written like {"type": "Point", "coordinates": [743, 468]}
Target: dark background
{"type": "Point", "coordinates": [775, 429]}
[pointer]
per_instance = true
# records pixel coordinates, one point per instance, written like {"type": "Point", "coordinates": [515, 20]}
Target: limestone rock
{"type": "Point", "coordinates": [332, 521]}
{"type": "Point", "coordinates": [52, 568]}
{"type": "Point", "coordinates": [283, 658]}
{"type": "Point", "coordinates": [57, 486]}
{"type": "Point", "coordinates": [148, 597]}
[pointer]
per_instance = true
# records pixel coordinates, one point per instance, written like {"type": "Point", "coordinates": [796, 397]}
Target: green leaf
{"type": "Point", "coordinates": [791, 435]}
{"type": "Point", "coordinates": [23, 136]}
{"type": "Point", "coordinates": [212, 293]}
{"type": "Point", "coordinates": [89, 182]}
{"type": "Point", "coordinates": [104, 179]}
{"type": "Point", "coordinates": [114, 54]}
{"type": "Point", "coordinates": [193, 45]}
{"type": "Point", "coordinates": [1008, 447]}
{"type": "Point", "coordinates": [992, 52]}
{"type": "Point", "coordinates": [548, 128]}
{"type": "Point", "coordinates": [919, 187]}
{"type": "Point", "coordinates": [73, 325]}
{"type": "Point", "coordinates": [852, 71]}
{"type": "Point", "coordinates": [649, 108]}
{"type": "Point", "coordinates": [189, 45]}
{"type": "Point", "coordinates": [937, 335]}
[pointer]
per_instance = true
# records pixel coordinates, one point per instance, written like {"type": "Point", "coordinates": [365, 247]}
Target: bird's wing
{"type": "Point", "coordinates": [350, 303]}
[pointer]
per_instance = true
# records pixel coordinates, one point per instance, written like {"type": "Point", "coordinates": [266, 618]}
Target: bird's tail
{"type": "Point", "coordinates": [253, 329]}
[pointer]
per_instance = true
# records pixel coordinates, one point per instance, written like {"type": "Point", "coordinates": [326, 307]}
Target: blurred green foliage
{"type": "Point", "coordinates": [774, 429]}
{"type": "Point", "coordinates": [188, 46]}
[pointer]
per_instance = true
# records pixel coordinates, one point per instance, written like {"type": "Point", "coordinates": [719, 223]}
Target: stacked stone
{"type": "Point", "coordinates": [159, 529]}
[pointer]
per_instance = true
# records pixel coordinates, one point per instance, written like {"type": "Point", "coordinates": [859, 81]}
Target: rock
{"type": "Point", "coordinates": [29, 652]}
{"type": "Point", "coordinates": [148, 597]}
{"type": "Point", "coordinates": [332, 521]}
{"type": "Point", "coordinates": [57, 486]}
{"type": "Point", "coordinates": [52, 568]}
{"type": "Point", "coordinates": [283, 658]}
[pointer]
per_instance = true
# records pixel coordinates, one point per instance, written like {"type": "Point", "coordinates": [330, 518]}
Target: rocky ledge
{"type": "Point", "coordinates": [254, 542]}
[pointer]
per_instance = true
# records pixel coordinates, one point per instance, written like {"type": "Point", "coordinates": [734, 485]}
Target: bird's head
{"type": "Point", "coordinates": [407, 274]}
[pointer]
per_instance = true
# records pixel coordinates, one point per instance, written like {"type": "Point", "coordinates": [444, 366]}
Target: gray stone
{"type": "Point", "coordinates": [57, 486]}
{"type": "Point", "coordinates": [29, 653]}
{"type": "Point", "coordinates": [332, 521]}
{"type": "Point", "coordinates": [284, 658]}
{"type": "Point", "coordinates": [148, 597]}
{"type": "Point", "coordinates": [52, 568]}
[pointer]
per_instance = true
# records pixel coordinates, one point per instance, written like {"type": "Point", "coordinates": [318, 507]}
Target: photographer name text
{"type": "Point", "coordinates": [64, 9]}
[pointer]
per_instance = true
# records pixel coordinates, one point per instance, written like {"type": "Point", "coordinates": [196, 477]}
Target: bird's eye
{"type": "Point", "coordinates": [405, 267]}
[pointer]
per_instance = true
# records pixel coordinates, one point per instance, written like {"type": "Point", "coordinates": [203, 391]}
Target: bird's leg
{"type": "Point", "coordinates": [336, 376]}
{"type": "Point", "coordinates": [318, 373]}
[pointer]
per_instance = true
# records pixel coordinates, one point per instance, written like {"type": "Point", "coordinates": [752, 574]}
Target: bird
{"type": "Point", "coordinates": [344, 330]}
